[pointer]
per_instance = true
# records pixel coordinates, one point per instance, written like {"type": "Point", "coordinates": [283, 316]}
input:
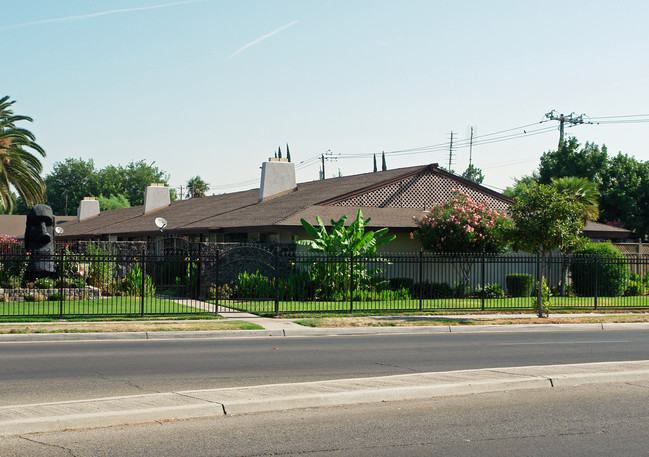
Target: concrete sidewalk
{"type": "Point", "coordinates": [102, 412]}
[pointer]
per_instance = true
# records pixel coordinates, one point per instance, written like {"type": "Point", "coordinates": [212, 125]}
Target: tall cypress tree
{"type": "Point", "coordinates": [279, 152]}
{"type": "Point", "coordinates": [375, 169]}
{"type": "Point", "coordinates": [384, 166]}
{"type": "Point", "coordinates": [288, 153]}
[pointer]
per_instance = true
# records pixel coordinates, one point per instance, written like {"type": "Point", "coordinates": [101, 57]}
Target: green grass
{"type": "Point", "coordinates": [113, 306]}
{"type": "Point", "coordinates": [457, 304]}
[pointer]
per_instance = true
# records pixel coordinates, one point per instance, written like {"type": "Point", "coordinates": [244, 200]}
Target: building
{"type": "Point", "coordinates": [272, 212]}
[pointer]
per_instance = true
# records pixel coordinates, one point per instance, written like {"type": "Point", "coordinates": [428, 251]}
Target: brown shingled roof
{"type": "Point", "coordinates": [243, 212]}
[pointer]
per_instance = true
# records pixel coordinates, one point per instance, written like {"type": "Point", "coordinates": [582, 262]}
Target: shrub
{"type": "Point", "coordinates": [635, 288]}
{"type": "Point", "coordinates": [612, 274]}
{"type": "Point", "coordinates": [35, 297]}
{"type": "Point", "coordinates": [402, 283]}
{"type": "Point", "coordinates": [433, 290]}
{"type": "Point", "coordinates": [254, 285]}
{"type": "Point", "coordinates": [222, 292]}
{"type": "Point", "coordinates": [102, 266]}
{"type": "Point", "coordinates": [56, 296]}
{"type": "Point", "coordinates": [299, 286]}
{"type": "Point", "coordinates": [44, 283]}
{"type": "Point", "coordinates": [69, 283]}
{"type": "Point", "coordinates": [519, 284]}
{"type": "Point", "coordinates": [133, 282]}
{"type": "Point", "coordinates": [489, 290]}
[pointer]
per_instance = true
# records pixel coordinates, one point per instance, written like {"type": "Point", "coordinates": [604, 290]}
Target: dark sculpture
{"type": "Point", "coordinates": [39, 242]}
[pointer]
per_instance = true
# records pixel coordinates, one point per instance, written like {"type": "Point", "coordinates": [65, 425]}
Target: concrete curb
{"type": "Point", "coordinates": [309, 331]}
{"type": "Point", "coordinates": [103, 412]}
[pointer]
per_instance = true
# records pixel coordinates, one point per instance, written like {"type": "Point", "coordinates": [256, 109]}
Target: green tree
{"type": "Point", "coordinates": [375, 167]}
{"type": "Point", "coordinates": [334, 277]}
{"type": "Point", "coordinates": [473, 173]}
{"type": "Point", "coordinates": [113, 202]}
{"type": "Point", "coordinates": [625, 193]}
{"type": "Point", "coordinates": [108, 181]}
{"type": "Point", "coordinates": [68, 183]}
{"type": "Point", "coordinates": [137, 176]}
{"type": "Point", "coordinates": [288, 153]}
{"type": "Point", "coordinates": [569, 160]}
{"type": "Point", "coordinates": [522, 186]}
{"type": "Point", "coordinates": [196, 187]}
{"type": "Point", "coordinates": [384, 165]}
{"type": "Point", "coordinates": [544, 220]}
{"type": "Point", "coordinates": [583, 191]}
{"type": "Point", "coordinates": [20, 169]}
{"type": "Point", "coordinates": [462, 225]}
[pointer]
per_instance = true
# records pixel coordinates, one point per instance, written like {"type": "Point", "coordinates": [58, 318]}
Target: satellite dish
{"type": "Point", "coordinates": [160, 222]}
{"type": "Point", "coordinates": [59, 230]}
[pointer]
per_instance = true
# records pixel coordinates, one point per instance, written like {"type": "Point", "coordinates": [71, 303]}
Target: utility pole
{"type": "Point", "coordinates": [450, 153]}
{"type": "Point", "coordinates": [181, 191]}
{"type": "Point", "coordinates": [327, 155]}
{"type": "Point", "coordinates": [571, 119]}
{"type": "Point", "coordinates": [470, 155]}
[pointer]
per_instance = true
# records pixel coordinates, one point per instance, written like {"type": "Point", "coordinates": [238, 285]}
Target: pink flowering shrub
{"type": "Point", "coordinates": [462, 225]}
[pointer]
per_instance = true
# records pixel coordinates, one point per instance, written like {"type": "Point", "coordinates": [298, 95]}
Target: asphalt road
{"type": "Point", "coordinates": [45, 372]}
{"type": "Point", "coordinates": [593, 420]}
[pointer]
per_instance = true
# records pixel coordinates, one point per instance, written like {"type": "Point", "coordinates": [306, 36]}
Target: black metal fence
{"type": "Point", "coordinates": [260, 279]}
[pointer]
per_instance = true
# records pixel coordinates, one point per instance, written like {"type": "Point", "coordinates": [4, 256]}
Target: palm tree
{"type": "Point", "coordinates": [196, 187]}
{"type": "Point", "coordinates": [583, 190]}
{"type": "Point", "coordinates": [19, 168]}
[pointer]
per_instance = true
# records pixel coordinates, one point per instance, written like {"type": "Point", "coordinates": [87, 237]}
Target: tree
{"type": "Point", "coordinates": [375, 168]}
{"type": "Point", "coordinates": [588, 162]}
{"type": "Point", "coordinates": [288, 153]}
{"type": "Point", "coordinates": [20, 169]}
{"type": "Point", "coordinates": [279, 152]}
{"type": "Point", "coordinates": [113, 202]}
{"type": "Point", "coordinates": [545, 220]}
{"type": "Point", "coordinates": [196, 187]}
{"type": "Point", "coordinates": [461, 225]}
{"type": "Point", "coordinates": [137, 176]}
{"type": "Point", "coordinates": [522, 186]}
{"type": "Point", "coordinates": [68, 183]}
{"type": "Point", "coordinates": [73, 179]}
{"type": "Point", "coordinates": [473, 173]}
{"type": "Point", "coordinates": [334, 277]}
{"type": "Point", "coordinates": [625, 193]}
{"type": "Point", "coordinates": [583, 191]}
{"type": "Point", "coordinates": [384, 166]}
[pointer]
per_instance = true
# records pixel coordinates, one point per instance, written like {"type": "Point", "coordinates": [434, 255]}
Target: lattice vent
{"type": "Point", "coordinates": [421, 191]}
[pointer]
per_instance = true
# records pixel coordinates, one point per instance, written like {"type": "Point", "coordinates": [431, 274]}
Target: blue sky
{"type": "Point", "coordinates": [212, 88]}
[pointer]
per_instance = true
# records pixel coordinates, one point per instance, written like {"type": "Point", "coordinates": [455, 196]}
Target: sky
{"type": "Point", "coordinates": [213, 87]}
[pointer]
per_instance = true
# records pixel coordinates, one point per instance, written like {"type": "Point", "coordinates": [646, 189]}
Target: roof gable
{"type": "Point", "coordinates": [420, 189]}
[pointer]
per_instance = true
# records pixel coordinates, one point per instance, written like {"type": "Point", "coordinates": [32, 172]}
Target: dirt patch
{"type": "Point", "coordinates": [406, 321]}
{"type": "Point", "coordinates": [103, 327]}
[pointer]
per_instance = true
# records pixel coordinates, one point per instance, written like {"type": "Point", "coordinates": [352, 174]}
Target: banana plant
{"type": "Point", "coordinates": [334, 277]}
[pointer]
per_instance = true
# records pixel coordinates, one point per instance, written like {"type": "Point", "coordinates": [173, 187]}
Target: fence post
{"type": "Point", "coordinates": [276, 280]}
{"type": "Point", "coordinates": [60, 269]}
{"type": "Point", "coordinates": [421, 279]}
{"type": "Point", "coordinates": [142, 269]}
{"type": "Point", "coordinates": [596, 277]}
{"type": "Point", "coordinates": [351, 283]}
{"type": "Point", "coordinates": [538, 279]}
{"type": "Point", "coordinates": [216, 283]}
{"type": "Point", "coordinates": [482, 280]}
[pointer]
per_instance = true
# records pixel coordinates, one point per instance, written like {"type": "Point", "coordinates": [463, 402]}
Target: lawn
{"type": "Point", "coordinates": [123, 306]}
{"type": "Point", "coordinates": [468, 304]}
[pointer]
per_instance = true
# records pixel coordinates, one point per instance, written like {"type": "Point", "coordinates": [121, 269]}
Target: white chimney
{"type": "Point", "coordinates": [88, 207]}
{"type": "Point", "coordinates": [156, 196]}
{"type": "Point", "coordinates": [277, 178]}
